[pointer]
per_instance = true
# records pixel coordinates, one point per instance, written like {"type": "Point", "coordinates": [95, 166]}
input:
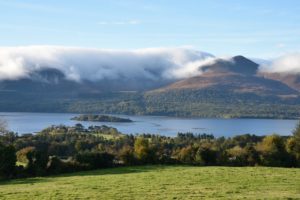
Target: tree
{"type": "Point", "coordinates": [273, 152]}
{"type": "Point", "coordinates": [237, 156]}
{"type": "Point", "coordinates": [296, 132]}
{"type": "Point", "coordinates": [3, 127]}
{"type": "Point", "coordinates": [81, 145]}
{"type": "Point", "coordinates": [187, 155]}
{"type": "Point", "coordinates": [127, 156]}
{"type": "Point", "coordinates": [206, 155]}
{"type": "Point", "coordinates": [7, 160]}
{"type": "Point", "coordinates": [37, 162]}
{"type": "Point", "coordinates": [142, 150]}
{"type": "Point", "coordinates": [252, 156]}
{"type": "Point", "coordinates": [293, 144]}
{"type": "Point", "coordinates": [55, 165]}
{"type": "Point", "coordinates": [245, 156]}
{"type": "Point", "coordinates": [61, 149]}
{"type": "Point", "coordinates": [79, 127]}
{"type": "Point", "coordinates": [96, 159]}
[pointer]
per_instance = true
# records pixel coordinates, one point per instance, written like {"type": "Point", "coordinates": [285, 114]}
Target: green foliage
{"type": "Point", "coordinates": [143, 150]}
{"type": "Point", "coordinates": [100, 118]}
{"type": "Point", "coordinates": [60, 149]}
{"type": "Point", "coordinates": [127, 156]}
{"type": "Point", "coordinates": [207, 154]}
{"type": "Point", "coordinates": [293, 144]}
{"type": "Point", "coordinates": [37, 162]}
{"type": "Point", "coordinates": [57, 166]}
{"type": "Point", "coordinates": [95, 160]}
{"type": "Point", "coordinates": [296, 132]}
{"type": "Point", "coordinates": [187, 155]}
{"type": "Point", "coordinates": [210, 103]}
{"type": "Point", "coordinates": [273, 153]}
{"type": "Point", "coordinates": [7, 160]}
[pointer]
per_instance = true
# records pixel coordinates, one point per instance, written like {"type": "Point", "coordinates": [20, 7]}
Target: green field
{"type": "Point", "coordinates": [161, 182]}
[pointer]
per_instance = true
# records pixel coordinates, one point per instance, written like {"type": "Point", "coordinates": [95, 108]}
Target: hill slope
{"type": "Point", "coordinates": [238, 75]}
{"type": "Point", "coordinates": [226, 88]}
{"type": "Point", "coordinates": [158, 182]}
{"type": "Point", "coordinates": [292, 80]}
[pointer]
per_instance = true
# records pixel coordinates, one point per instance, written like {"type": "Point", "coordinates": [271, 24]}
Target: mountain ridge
{"type": "Point", "coordinates": [238, 74]}
{"type": "Point", "coordinates": [226, 88]}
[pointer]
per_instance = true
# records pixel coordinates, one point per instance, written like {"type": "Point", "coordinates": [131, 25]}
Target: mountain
{"type": "Point", "coordinates": [51, 80]}
{"type": "Point", "coordinates": [292, 80]}
{"type": "Point", "coordinates": [40, 81]}
{"type": "Point", "coordinates": [238, 65]}
{"type": "Point", "coordinates": [225, 88]}
{"type": "Point", "coordinates": [237, 75]}
{"type": "Point", "coordinates": [100, 69]}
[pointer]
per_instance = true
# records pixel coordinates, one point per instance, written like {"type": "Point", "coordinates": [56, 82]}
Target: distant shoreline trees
{"type": "Point", "coordinates": [100, 118]}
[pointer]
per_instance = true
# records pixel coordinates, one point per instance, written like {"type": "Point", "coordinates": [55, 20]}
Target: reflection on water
{"type": "Point", "coordinates": [170, 126]}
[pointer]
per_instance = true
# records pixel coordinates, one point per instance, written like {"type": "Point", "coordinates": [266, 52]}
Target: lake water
{"type": "Point", "coordinates": [169, 126]}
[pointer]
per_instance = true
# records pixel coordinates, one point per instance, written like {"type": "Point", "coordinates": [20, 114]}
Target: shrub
{"type": "Point", "coordinates": [7, 161]}
{"type": "Point", "coordinates": [96, 160]}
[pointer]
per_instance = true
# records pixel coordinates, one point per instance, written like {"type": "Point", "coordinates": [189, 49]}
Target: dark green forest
{"type": "Point", "coordinates": [100, 118]}
{"type": "Point", "coordinates": [181, 103]}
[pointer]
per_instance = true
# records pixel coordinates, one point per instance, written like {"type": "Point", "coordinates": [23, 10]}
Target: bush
{"type": "Point", "coordinates": [37, 162]}
{"type": "Point", "coordinates": [96, 160]}
{"type": "Point", "coordinates": [7, 161]}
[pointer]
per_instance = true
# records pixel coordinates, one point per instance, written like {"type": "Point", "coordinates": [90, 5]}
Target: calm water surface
{"type": "Point", "coordinates": [169, 126]}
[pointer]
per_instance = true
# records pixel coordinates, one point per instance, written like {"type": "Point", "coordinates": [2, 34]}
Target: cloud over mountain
{"type": "Point", "coordinates": [97, 64]}
{"type": "Point", "coordinates": [288, 64]}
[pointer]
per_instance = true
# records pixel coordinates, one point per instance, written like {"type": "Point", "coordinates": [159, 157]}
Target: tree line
{"type": "Point", "coordinates": [62, 149]}
{"type": "Point", "coordinates": [205, 103]}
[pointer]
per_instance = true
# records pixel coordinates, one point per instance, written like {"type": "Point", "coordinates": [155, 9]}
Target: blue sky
{"type": "Point", "coordinates": [254, 28]}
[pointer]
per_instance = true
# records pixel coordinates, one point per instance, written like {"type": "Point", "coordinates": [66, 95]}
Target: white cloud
{"type": "Point", "coordinates": [96, 64]}
{"type": "Point", "coordinates": [289, 63]}
{"type": "Point", "coordinates": [191, 69]}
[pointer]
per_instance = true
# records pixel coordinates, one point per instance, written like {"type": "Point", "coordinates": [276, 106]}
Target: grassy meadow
{"type": "Point", "coordinates": [161, 182]}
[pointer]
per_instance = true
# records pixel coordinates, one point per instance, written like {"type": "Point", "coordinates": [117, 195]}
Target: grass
{"type": "Point", "coordinates": [161, 182]}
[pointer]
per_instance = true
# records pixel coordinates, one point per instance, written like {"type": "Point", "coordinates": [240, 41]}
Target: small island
{"type": "Point", "coordinates": [100, 118]}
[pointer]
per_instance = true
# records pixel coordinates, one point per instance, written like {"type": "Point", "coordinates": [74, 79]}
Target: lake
{"type": "Point", "coordinates": [169, 126]}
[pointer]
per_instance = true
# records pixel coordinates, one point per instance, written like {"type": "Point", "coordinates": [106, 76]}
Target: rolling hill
{"type": "Point", "coordinates": [160, 182]}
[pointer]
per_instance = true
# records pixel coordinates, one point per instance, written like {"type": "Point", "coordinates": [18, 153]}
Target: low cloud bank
{"type": "Point", "coordinates": [96, 64]}
{"type": "Point", "coordinates": [288, 64]}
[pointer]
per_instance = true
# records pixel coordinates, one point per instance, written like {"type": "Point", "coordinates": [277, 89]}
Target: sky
{"type": "Point", "coordinates": [254, 28]}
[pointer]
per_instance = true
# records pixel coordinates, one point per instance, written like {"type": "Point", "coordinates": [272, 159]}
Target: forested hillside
{"type": "Point", "coordinates": [225, 89]}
